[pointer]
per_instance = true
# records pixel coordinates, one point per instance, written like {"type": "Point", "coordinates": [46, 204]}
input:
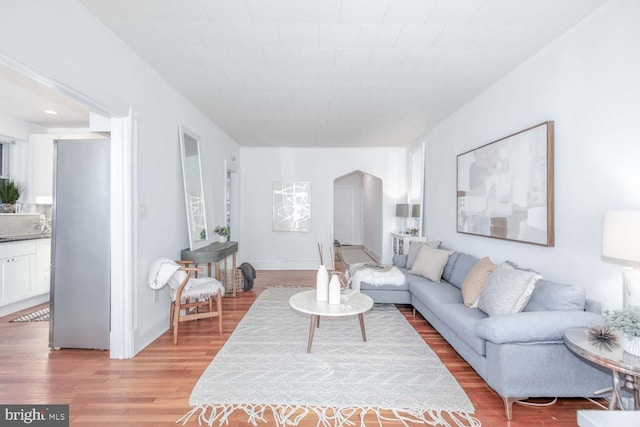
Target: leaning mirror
{"type": "Point", "coordinates": [193, 192]}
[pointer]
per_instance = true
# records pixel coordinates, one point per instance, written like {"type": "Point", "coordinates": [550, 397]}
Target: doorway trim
{"type": "Point", "coordinates": [123, 255]}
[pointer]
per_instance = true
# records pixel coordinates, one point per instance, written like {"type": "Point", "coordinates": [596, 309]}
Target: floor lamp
{"type": "Point", "coordinates": [621, 241]}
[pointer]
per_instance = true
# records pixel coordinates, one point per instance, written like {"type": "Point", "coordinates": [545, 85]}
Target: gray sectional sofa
{"type": "Point", "coordinates": [520, 355]}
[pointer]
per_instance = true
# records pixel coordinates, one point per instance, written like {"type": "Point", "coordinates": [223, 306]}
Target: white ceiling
{"type": "Point", "coordinates": [25, 99]}
{"type": "Point", "coordinates": [335, 72]}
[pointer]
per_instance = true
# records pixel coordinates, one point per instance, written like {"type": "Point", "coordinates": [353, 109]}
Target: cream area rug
{"type": "Point", "coordinates": [264, 369]}
{"type": "Point", "coordinates": [354, 254]}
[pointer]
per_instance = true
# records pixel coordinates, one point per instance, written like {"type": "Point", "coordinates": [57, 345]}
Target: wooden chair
{"type": "Point", "coordinates": [189, 294]}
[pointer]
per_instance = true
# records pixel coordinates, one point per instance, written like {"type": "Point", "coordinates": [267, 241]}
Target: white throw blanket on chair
{"type": "Point", "coordinates": [373, 274]}
{"type": "Point", "coordinates": [161, 271]}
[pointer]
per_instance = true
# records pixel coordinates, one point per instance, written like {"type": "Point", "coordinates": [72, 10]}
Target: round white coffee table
{"type": "Point", "coordinates": [305, 302]}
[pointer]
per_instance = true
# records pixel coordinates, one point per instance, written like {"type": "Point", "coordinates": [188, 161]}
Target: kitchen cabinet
{"type": "Point", "coordinates": [17, 276]}
{"type": "Point", "coordinates": [43, 266]}
{"type": "Point", "coordinates": [24, 274]}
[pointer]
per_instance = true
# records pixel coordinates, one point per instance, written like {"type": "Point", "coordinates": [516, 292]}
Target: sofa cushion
{"type": "Point", "coordinates": [403, 287]}
{"type": "Point", "coordinates": [414, 250]}
{"type": "Point", "coordinates": [534, 327]}
{"type": "Point", "coordinates": [446, 274]}
{"type": "Point", "coordinates": [463, 321]}
{"type": "Point", "coordinates": [400, 261]}
{"type": "Point", "coordinates": [549, 296]}
{"type": "Point", "coordinates": [430, 263]}
{"type": "Point", "coordinates": [431, 293]}
{"type": "Point", "coordinates": [507, 290]}
{"type": "Point", "coordinates": [475, 280]}
{"type": "Point", "coordinates": [461, 269]}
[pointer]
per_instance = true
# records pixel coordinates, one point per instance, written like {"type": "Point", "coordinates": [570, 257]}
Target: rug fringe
{"type": "Point", "coordinates": [290, 415]}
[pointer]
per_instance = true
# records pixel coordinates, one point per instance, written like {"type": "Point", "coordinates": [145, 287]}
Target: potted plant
{"type": "Point", "coordinates": [10, 192]}
{"type": "Point", "coordinates": [627, 321]}
{"type": "Point", "coordinates": [223, 232]}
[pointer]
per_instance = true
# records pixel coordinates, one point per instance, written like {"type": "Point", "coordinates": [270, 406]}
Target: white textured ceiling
{"type": "Point", "coordinates": [335, 72]}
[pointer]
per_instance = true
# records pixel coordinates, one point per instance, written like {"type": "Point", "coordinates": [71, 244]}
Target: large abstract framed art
{"type": "Point", "coordinates": [505, 188]}
{"type": "Point", "coordinates": [292, 206]}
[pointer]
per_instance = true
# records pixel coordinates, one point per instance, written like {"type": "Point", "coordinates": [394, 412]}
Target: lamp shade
{"type": "Point", "coordinates": [402, 210]}
{"type": "Point", "coordinates": [415, 211]}
{"type": "Point", "coordinates": [621, 235]}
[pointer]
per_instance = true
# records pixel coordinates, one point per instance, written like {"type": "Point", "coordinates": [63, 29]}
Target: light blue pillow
{"type": "Point", "coordinates": [400, 261]}
{"type": "Point", "coordinates": [507, 290]}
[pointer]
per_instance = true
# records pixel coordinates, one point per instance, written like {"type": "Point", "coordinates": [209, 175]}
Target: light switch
{"type": "Point", "coordinates": [142, 210]}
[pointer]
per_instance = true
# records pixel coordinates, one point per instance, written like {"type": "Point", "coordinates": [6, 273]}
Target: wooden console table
{"type": "Point", "coordinates": [214, 253]}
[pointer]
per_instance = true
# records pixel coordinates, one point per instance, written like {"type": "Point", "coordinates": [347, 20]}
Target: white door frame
{"type": "Point", "coordinates": [123, 199]}
{"type": "Point", "coordinates": [123, 243]}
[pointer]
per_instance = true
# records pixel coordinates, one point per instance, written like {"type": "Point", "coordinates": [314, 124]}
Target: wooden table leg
{"type": "Point", "coordinates": [312, 328]}
{"type": "Point", "coordinates": [233, 275]}
{"type": "Point", "coordinates": [364, 334]}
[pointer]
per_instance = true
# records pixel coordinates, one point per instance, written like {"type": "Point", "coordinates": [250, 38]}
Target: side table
{"type": "Point", "coordinates": [401, 242]}
{"type": "Point", "coordinates": [625, 367]}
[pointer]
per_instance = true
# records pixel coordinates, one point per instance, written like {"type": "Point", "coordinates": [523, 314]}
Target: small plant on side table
{"type": "Point", "coordinates": [627, 321]}
{"type": "Point", "coordinates": [224, 232]}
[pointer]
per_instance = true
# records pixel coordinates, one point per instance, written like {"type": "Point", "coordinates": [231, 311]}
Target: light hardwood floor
{"type": "Point", "coordinates": [153, 388]}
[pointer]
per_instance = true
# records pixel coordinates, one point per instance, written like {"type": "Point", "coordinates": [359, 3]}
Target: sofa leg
{"type": "Point", "coordinates": [508, 405]}
{"type": "Point", "coordinates": [414, 312]}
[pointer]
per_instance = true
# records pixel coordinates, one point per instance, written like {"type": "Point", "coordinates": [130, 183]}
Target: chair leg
{"type": "Point", "coordinates": [172, 307]}
{"type": "Point", "coordinates": [219, 305]}
{"type": "Point", "coordinates": [176, 323]}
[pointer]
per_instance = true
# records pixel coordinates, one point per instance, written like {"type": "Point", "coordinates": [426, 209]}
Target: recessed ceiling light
{"type": "Point", "coordinates": [53, 113]}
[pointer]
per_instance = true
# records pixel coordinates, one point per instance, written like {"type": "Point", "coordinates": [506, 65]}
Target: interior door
{"type": "Point", "coordinates": [343, 216]}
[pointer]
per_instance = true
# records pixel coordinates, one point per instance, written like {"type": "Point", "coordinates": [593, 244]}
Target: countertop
{"type": "Point", "coordinates": [21, 237]}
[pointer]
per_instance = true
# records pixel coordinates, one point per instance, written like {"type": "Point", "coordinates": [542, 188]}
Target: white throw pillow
{"type": "Point", "coordinates": [430, 263]}
{"type": "Point", "coordinates": [507, 290]}
{"type": "Point", "coordinates": [414, 249]}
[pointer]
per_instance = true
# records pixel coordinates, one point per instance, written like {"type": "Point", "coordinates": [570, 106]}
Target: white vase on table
{"type": "Point", "coordinates": [322, 284]}
{"type": "Point", "coordinates": [334, 290]}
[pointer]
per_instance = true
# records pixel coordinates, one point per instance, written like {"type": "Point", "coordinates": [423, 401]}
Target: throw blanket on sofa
{"type": "Point", "coordinates": [374, 274]}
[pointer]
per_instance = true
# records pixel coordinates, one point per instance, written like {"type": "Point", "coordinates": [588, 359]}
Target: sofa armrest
{"type": "Point", "coordinates": [534, 326]}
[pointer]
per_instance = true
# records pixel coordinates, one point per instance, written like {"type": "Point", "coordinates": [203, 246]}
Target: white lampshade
{"type": "Point", "coordinates": [44, 200]}
{"type": "Point", "coordinates": [621, 235]}
{"type": "Point", "coordinates": [402, 210]}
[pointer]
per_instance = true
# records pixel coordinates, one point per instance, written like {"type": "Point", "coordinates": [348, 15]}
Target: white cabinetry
{"type": "Point", "coordinates": [22, 274]}
{"type": "Point", "coordinates": [43, 266]}
{"type": "Point", "coordinates": [401, 242]}
{"type": "Point", "coordinates": [17, 274]}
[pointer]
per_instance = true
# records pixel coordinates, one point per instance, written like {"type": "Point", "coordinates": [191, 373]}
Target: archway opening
{"type": "Point", "coordinates": [357, 212]}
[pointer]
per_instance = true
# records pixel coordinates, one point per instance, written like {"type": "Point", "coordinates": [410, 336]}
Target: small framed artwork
{"type": "Point", "coordinates": [292, 206]}
{"type": "Point", "coordinates": [505, 188]}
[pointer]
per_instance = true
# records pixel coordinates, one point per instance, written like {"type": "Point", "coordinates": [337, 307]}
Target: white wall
{"type": "Point", "coordinates": [62, 40]}
{"type": "Point", "coordinates": [14, 129]}
{"type": "Point", "coordinates": [588, 82]}
{"type": "Point", "coordinates": [266, 249]}
{"type": "Point", "coordinates": [374, 231]}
